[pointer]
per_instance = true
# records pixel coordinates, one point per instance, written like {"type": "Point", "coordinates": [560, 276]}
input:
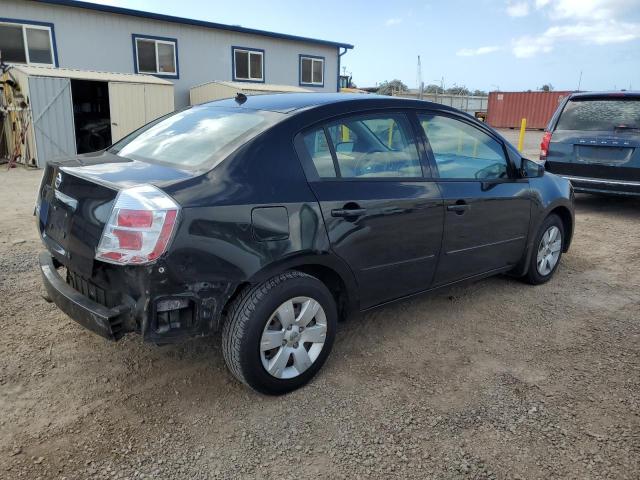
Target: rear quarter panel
{"type": "Point", "coordinates": [217, 241]}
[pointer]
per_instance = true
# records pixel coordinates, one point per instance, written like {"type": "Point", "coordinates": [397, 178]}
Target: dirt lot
{"type": "Point", "coordinates": [493, 380]}
{"type": "Point", "coordinates": [531, 144]}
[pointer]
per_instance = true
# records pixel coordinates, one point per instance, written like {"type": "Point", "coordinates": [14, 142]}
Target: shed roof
{"type": "Point", "coordinates": [90, 75]}
{"type": "Point", "coordinates": [191, 21]}
{"type": "Point", "coordinates": [258, 87]}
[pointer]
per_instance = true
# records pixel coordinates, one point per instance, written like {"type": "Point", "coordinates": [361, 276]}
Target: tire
{"type": "Point", "coordinates": [254, 321]}
{"type": "Point", "coordinates": [535, 274]}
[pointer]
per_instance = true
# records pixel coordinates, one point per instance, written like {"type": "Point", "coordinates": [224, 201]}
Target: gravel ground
{"type": "Point", "coordinates": [492, 380]}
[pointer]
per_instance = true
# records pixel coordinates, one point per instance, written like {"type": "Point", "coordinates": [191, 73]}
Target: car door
{"type": "Point", "coordinates": [382, 216]}
{"type": "Point", "coordinates": [486, 204]}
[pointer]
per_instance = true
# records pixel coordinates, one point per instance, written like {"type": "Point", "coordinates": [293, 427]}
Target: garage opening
{"type": "Point", "coordinates": [91, 115]}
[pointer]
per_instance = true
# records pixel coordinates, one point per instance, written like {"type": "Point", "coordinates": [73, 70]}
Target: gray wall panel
{"type": "Point", "coordinates": [92, 40]}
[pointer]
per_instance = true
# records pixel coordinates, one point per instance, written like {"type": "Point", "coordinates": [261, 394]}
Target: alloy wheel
{"type": "Point", "coordinates": [549, 250]}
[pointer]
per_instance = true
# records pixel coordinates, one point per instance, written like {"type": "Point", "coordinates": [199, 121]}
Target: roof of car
{"type": "Point", "coordinates": [604, 94]}
{"type": "Point", "coordinates": [291, 102]}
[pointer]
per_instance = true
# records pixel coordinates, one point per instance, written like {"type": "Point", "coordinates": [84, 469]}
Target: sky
{"type": "Point", "coordinates": [481, 44]}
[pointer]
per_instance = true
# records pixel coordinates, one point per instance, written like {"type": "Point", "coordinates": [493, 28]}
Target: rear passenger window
{"type": "Point", "coordinates": [462, 151]}
{"type": "Point", "coordinates": [373, 146]}
{"type": "Point", "coordinates": [318, 148]}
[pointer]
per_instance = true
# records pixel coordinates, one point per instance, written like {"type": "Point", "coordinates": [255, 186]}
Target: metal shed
{"type": "Point", "coordinates": [217, 90]}
{"type": "Point", "coordinates": [57, 112]}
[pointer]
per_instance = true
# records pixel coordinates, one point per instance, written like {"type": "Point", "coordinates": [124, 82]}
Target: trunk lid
{"type": "Point", "coordinates": [76, 198]}
{"type": "Point", "coordinates": [596, 154]}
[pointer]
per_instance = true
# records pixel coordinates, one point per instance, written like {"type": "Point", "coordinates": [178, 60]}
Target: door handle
{"type": "Point", "coordinates": [460, 207]}
{"type": "Point", "coordinates": [348, 212]}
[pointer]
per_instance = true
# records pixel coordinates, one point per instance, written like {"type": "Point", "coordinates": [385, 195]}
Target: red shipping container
{"type": "Point", "coordinates": [507, 109]}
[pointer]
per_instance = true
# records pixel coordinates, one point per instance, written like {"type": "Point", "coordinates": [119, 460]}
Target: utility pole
{"type": "Point", "coordinates": [420, 82]}
{"type": "Point", "coordinates": [580, 80]}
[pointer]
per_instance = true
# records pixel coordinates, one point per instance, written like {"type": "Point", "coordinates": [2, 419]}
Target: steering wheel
{"type": "Point", "coordinates": [363, 160]}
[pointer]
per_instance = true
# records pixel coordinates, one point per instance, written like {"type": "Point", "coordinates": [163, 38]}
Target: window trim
{"type": "Point", "coordinates": [166, 40]}
{"type": "Point", "coordinates": [312, 58]}
{"type": "Point", "coordinates": [511, 169]}
{"type": "Point", "coordinates": [39, 26]}
{"type": "Point", "coordinates": [249, 50]}
{"type": "Point", "coordinates": [311, 172]}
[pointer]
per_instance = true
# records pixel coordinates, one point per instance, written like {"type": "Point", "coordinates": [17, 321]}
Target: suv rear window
{"type": "Point", "coordinates": [600, 114]}
{"type": "Point", "coordinates": [190, 138]}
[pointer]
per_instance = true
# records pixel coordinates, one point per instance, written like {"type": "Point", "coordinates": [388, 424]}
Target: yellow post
{"type": "Point", "coordinates": [345, 133]}
{"type": "Point", "coordinates": [390, 140]}
{"type": "Point", "coordinates": [523, 127]}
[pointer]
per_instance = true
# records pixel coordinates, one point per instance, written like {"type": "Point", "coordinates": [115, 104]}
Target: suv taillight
{"type": "Point", "coordinates": [544, 145]}
{"type": "Point", "coordinates": [140, 226]}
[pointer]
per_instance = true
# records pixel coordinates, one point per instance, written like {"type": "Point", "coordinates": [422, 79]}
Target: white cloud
{"type": "Point", "coordinates": [589, 22]}
{"type": "Point", "coordinates": [587, 9]}
{"type": "Point", "coordinates": [392, 21]}
{"type": "Point", "coordinates": [528, 46]}
{"type": "Point", "coordinates": [470, 52]}
{"type": "Point", "coordinates": [517, 9]}
{"type": "Point", "coordinates": [598, 33]}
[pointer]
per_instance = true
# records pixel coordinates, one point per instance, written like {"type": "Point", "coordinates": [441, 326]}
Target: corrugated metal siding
{"type": "Point", "coordinates": [133, 105]}
{"type": "Point", "coordinates": [127, 108]}
{"type": "Point", "coordinates": [52, 114]}
{"type": "Point", "coordinates": [466, 103]}
{"type": "Point", "coordinates": [507, 109]}
{"type": "Point", "coordinates": [158, 101]}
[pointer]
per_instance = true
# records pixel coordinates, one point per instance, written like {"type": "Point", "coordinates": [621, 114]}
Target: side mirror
{"type": "Point", "coordinates": [531, 169]}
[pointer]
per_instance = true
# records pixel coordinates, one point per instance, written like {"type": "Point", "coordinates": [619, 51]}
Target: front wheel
{"type": "Point", "coordinates": [278, 334]}
{"type": "Point", "coordinates": [547, 251]}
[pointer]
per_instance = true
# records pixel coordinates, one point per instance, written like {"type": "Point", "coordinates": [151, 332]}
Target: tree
{"type": "Point", "coordinates": [433, 88]}
{"type": "Point", "coordinates": [455, 90]}
{"type": "Point", "coordinates": [388, 88]}
{"type": "Point", "coordinates": [547, 87]}
{"type": "Point", "coordinates": [479, 93]}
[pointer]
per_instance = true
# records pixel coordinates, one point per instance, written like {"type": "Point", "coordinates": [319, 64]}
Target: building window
{"type": "Point", "coordinates": [156, 55]}
{"type": "Point", "coordinates": [311, 70]}
{"type": "Point", "coordinates": [248, 64]}
{"type": "Point", "coordinates": [32, 44]}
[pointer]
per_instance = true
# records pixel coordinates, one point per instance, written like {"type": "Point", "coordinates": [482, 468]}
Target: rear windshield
{"type": "Point", "coordinates": [602, 114]}
{"type": "Point", "coordinates": [193, 137]}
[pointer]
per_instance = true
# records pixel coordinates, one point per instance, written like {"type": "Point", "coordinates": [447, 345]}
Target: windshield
{"type": "Point", "coordinates": [190, 138]}
{"type": "Point", "coordinates": [600, 115]}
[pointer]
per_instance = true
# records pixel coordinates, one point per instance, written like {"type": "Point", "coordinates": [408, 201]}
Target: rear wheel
{"type": "Point", "coordinates": [547, 251]}
{"type": "Point", "coordinates": [278, 334]}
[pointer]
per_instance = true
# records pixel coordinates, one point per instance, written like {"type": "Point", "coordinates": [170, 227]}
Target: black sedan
{"type": "Point", "coordinates": [270, 218]}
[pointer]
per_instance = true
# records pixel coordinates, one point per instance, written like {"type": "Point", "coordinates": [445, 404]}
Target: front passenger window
{"type": "Point", "coordinates": [462, 151]}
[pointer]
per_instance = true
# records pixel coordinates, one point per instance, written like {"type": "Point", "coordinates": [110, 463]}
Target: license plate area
{"type": "Point", "coordinates": [604, 155]}
{"type": "Point", "coordinates": [57, 223]}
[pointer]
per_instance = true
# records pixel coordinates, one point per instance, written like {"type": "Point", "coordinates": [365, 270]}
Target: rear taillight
{"type": "Point", "coordinates": [139, 228]}
{"type": "Point", "coordinates": [544, 145]}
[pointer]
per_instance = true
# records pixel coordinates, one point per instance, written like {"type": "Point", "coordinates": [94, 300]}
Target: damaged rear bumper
{"type": "Point", "coordinates": [107, 322]}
